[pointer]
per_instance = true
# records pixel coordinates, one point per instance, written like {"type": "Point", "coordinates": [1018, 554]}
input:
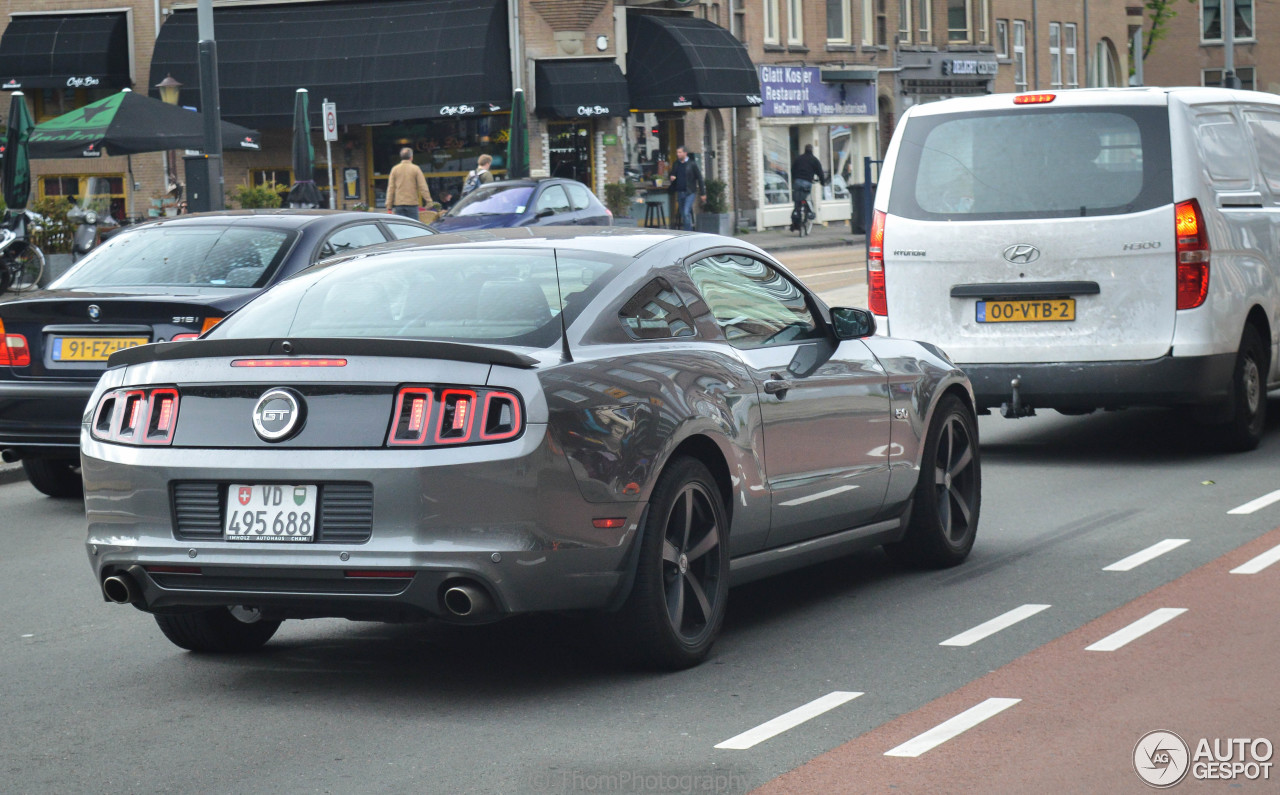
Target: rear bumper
{"type": "Point", "coordinates": [42, 417]}
{"type": "Point", "coordinates": [1167, 381]}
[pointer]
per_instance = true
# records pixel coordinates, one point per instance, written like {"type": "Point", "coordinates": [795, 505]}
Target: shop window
{"type": "Point", "coordinates": [771, 22]}
{"type": "Point", "coordinates": [1069, 55]}
{"type": "Point", "coordinates": [959, 13]}
{"type": "Point", "coordinates": [839, 22]}
{"type": "Point", "coordinates": [795, 22]}
{"type": "Point", "coordinates": [656, 312]}
{"type": "Point", "coordinates": [1213, 77]}
{"type": "Point", "coordinates": [278, 179]}
{"type": "Point", "coordinates": [570, 146]}
{"type": "Point", "coordinates": [48, 103]}
{"type": "Point", "coordinates": [1055, 55]}
{"type": "Point", "coordinates": [1002, 38]}
{"type": "Point", "coordinates": [1020, 54]}
{"type": "Point", "coordinates": [445, 149]}
{"type": "Point", "coordinates": [1211, 20]}
{"type": "Point", "coordinates": [107, 191]}
{"type": "Point", "coordinates": [775, 149]}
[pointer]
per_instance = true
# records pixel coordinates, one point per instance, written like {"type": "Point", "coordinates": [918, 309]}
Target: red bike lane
{"type": "Point", "coordinates": [1067, 718]}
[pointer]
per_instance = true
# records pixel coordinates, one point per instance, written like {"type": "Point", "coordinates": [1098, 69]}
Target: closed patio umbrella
{"type": "Point", "coordinates": [17, 171]}
{"type": "Point", "coordinates": [303, 194]}
{"type": "Point", "coordinates": [518, 142]}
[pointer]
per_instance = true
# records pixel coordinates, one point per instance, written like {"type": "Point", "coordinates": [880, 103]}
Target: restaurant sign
{"type": "Point", "coordinates": [799, 91]}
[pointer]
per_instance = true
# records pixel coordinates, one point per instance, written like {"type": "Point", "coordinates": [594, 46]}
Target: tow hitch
{"type": "Point", "coordinates": [1015, 409]}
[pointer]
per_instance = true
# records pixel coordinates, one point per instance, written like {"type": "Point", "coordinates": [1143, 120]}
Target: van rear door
{"type": "Point", "coordinates": [1033, 233]}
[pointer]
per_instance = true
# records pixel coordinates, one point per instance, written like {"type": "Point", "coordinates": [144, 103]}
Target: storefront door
{"type": "Point", "coordinates": [570, 145]}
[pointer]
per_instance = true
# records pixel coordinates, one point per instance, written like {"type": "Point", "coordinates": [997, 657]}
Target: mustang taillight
{"type": "Point", "coordinates": [136, 416]}
{"type": "Point", "coordinates": [428, 416]}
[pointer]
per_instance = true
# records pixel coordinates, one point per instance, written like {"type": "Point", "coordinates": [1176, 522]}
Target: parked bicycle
{"type": "Point", "coordinates": [21, 260]}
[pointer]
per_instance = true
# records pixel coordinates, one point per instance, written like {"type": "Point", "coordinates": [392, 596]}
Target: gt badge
{"type": "Point", "coordinates": [278, 414]}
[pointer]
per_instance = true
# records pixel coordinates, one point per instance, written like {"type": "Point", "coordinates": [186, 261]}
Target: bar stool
{"type": "Point", "coordinates": [655, 212]}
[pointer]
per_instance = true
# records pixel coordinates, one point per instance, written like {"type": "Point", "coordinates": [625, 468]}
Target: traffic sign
{"type": "Point", "coordinates": [330, 121]}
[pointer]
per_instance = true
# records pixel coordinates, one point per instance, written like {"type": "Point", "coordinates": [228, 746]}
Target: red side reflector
{"type": "Point", "coordinates": [172, 569]}
{"type": "Point", "coordinates": [608, 524]}
{"type": "Point", "coordinates": [1034, 99]}
{"type": "Point", "coordinates": [378, 574]}
{"type": "Point", "coordinates": [289, 363]}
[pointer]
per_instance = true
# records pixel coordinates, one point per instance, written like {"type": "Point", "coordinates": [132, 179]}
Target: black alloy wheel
{"type": "Point", "coordinates": [677, 602]}
{"type": "Point", "coordinates": [219, 630]}
{"type": "Point", "coordinates": [1243, 432]}
{"type": "Point", "coordinates": [944, 515]}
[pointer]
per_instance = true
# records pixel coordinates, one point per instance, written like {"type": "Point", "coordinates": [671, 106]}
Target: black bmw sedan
{"type": "Point", "coordinates": [170, 279]}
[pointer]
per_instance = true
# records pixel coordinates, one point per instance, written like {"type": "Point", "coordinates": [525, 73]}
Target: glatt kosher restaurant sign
{"type": "Point", "coordinates": [799, 91]}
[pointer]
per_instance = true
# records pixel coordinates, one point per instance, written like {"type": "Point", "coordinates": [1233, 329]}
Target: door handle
{"type": "Point", "coordinates": [777, 385]}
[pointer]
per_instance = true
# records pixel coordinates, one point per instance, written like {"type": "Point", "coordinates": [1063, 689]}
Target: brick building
{"type": "Point", "coordinates": [1192, 54]}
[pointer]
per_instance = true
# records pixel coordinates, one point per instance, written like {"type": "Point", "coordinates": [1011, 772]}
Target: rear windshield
{"type": "Point", "coordinates": [1038, 163]}
{"type": "Point", "coordinates": [511, 297]}
{"type": "Point", "coordinates": [173, 255]}
{"type": "Point", "coordinates": [495, 200]}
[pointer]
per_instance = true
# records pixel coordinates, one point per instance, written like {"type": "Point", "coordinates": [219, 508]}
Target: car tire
{"type": "Point", "coordinates": [216, 631]}
{"type": "Point", "coordinates": [682, 571]}
{"type": "Point", "coordinates": [1248, 420]}
{"type": "Point", "coordinates": [942, 521]}
{"type": "Point", "coordinates": [54, 477]}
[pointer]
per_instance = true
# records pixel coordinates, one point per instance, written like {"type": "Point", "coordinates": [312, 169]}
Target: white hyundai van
{"type": "Point", "coordinates": [1095, 248]}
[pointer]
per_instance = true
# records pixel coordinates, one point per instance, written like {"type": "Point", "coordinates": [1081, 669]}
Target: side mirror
{"type": "Point", "coordinates": [852, 324]}
{"type": "Point", "coordinates": [546, 212]}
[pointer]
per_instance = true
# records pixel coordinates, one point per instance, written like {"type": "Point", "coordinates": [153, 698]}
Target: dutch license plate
{"type": "Point", "coordinates": [1035, 311]}
{"type": "Point", "coordinates": [257, 512]}
{"type": "Point", "coordinates": [91, 349]}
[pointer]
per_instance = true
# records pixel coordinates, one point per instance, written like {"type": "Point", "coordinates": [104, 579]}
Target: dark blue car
{"type": "Point", "coordinates": [526, 202]}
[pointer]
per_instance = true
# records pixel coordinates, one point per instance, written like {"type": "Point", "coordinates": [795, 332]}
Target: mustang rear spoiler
{"type": "Point", "coordinates": [322, 346]}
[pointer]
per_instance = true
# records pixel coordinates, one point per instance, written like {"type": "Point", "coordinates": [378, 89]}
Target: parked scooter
{"type": "Point", "coordinates": [91, 217]}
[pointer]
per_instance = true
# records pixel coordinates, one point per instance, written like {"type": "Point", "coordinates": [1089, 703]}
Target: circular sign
{"type": "Point", "coordinates": [330, 122]}
{"type": "Point", "coordinates": [278, 414]}
{"type": "Point", "coordinates": [1160, 759]}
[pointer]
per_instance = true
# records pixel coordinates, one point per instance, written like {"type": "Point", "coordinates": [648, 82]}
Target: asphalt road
{"type": "Point", "coordinates": [96, 700]}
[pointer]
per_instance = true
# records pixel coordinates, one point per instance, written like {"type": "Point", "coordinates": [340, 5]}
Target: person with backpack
{"type": "Point", "coordinates": [479, 175]}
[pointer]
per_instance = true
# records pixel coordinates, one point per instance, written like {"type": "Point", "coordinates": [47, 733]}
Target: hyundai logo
{"type": "Point", "coordinates": [1021, 254]}
{"type": "Point", "coordinates": [94, 312]}
{"type": "Point", "coordinates": [278, 414]}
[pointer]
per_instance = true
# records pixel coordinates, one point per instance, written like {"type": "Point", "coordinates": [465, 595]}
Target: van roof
{"type": "Point", "coordinates": [1151, 95]}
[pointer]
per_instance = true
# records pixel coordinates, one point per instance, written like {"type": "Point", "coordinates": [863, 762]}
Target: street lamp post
{"type": "Point", "coordinates": [169, 90]}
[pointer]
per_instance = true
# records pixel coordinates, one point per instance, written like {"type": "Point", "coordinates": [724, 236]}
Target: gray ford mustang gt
{"type": "Point", "coordinates": [468, 427]}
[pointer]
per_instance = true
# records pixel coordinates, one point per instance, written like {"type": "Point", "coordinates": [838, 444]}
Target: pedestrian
{"type": "Point", "coordinates": [686, 182]}
{"type": "Point", "coordinates": [480, 175]}
{"type": "Point", "coordinates": [806, 169]}
{"type": "Point", "coordinates": [407, 187]}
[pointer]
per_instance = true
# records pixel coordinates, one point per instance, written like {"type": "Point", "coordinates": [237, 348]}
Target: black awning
{"type": "Point", "coordinates": [380, 61]}
{"type": "Point", "coordinates": [576, 89]}
{"type": "Point", "coordinates": [683, 62]}
{"type": "Point", "coordinates": [65, 51]}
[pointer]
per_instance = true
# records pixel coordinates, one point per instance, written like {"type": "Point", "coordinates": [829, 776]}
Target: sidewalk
{"type": "Point", "coordinates": [778, 239]}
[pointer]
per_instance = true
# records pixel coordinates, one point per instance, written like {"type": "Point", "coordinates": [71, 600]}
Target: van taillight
{"type": "Point", "coordinates": [876, 298]}
{"type": "Point", "coordinates": [136, 416]}
{"type": "Point", "coordinates": [453, 416]}
{"type": "Point", "coordinates": [1193, 254]}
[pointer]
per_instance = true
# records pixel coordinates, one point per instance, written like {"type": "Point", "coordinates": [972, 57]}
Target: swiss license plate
{"type": "Point", "coordinates": [257, 512]}
{"type": "Point", "coordinates": [1027, 311]}
{"type": "Point", "coordinates": [91, 349]}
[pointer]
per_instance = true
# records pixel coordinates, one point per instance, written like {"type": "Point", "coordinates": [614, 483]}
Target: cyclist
{"type": "Point", "coordinates": [805, 170]}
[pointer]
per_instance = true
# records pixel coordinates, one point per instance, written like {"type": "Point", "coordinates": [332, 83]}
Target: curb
{"type": "Point", "coordinates": [11, 473]}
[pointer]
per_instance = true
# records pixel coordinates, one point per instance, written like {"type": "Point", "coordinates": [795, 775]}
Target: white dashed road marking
{"type": "Point", "coordinates": [952, 728]}
{"type": "Point", "coordinates": [1138, 558]}
{"type": "Point", "coordinates": [989, 628]}
{"type": "Point", "coordinates": [1259, 563]}
{"type": "Point", "coordinates": [1137, 629]}
{"type": "Point", "coordinates": [790, 720]}
{"type": "Point", "coordinates": [1256, 505]}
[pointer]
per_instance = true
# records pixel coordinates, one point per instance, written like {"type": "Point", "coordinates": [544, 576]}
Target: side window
{"type": "Point", "coordinates": [1264, 127]}
{"type": "Point", "coordinates": [1222, 143]}
{"type": "Point", "coordinates": [656, 313]}
{"type": "Point", "coordinates": [754, 304]}
{"type": "Point", "coordinates": [553, 199]}
{"type": "Point", "coordinates": [406, 231]}
{"type": "Point", "coordinates": [580, 196]}
{"type": "Point", "coordinates": [352, 237]}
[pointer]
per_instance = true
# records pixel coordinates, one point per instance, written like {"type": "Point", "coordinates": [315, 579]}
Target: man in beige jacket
{"type": "Point", "coordinates": [407, 187]}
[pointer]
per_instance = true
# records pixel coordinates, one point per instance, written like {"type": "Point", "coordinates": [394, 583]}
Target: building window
{"type": "Point", "coordinates": [1213, 77]}
{"type": "Point", "coordinates": [1020, 54]}
{"type": "Point", "coordinates": [739, 20]}
{"type": "Point", "coordinates": [1002, 38]}
{"type": "Point", "coordinates": [839, 22]}
{"type": "Point", "coordinates": [904, 21]}
{"type": "Point", "coordinates": [958, 13]}
{"type": "Point", "coordinates": [1069, 54]}
{"type": "Point", "coordinates": [108, 189]}
{"type": "Point", "coordinates": [868, 22]}
{"type": "Point", "coordinates": [771, 22]}
{"type": "Point", "coordinates": [795, 22]}
{"type": "Point", "coordinates": [925, 22]}
{"type": "Point", "coordinates": [984, 21]}
{"type": "Point", "coordinates": [1055, 55]}
{"type": "Point", "coordinates": [1211, 20]}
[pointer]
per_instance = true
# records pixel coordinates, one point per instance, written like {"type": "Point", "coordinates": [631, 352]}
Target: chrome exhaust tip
{"type": "Point", "coordinates": [121, 589]}
{"type": "Point", "coordinates": [465, 600]}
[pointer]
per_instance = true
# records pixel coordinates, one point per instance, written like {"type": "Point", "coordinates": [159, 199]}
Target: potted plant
{"type": "Point", "coordinates": [53, 233]}
{"type": "Point", "coordinates": [618, 197]}
{"type": "Point", "coordinates": [715, 217]}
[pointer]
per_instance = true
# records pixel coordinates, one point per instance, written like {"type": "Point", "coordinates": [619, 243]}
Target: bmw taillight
{"type": "Point", "coordinates": [877, 301]}
{"type": "Point", "coordinates": [136, 416]}
{"type": "Point", "coordinates": [13, 349]}
{"type": "Point", "coordinates": [1193, 254]}
{"type": "Point", "coordinates": [429, 416]}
